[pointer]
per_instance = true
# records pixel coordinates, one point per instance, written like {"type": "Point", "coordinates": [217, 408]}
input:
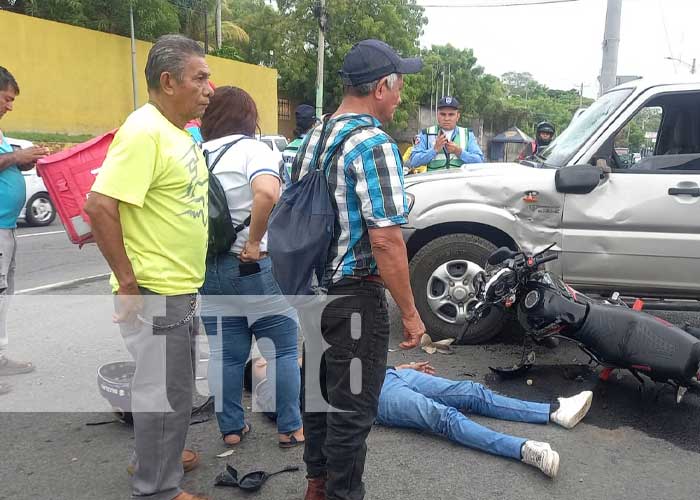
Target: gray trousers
{"type": "Point", "coordinates": [8, 249]}
{"type": "Point", "coordinates": [162, 391]}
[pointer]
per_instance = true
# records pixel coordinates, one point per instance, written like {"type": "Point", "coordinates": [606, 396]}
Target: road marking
{"type": "Point", "coordinates": [62, 284]}
{"type": "Point", "coordinates": [39, 234]}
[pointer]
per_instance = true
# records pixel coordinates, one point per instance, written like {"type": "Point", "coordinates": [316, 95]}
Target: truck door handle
{"type": "Point", "coordinates": [695, 192]}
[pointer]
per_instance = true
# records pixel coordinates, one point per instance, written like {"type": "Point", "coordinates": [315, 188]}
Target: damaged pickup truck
{"type": "Point", "coordinates": [633, 229]}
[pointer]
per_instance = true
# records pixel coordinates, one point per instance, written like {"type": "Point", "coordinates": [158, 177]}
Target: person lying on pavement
{"type": "Point", "coordinates": [413, 397]}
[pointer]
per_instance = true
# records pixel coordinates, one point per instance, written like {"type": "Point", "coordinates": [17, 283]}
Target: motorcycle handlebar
{"type": "Point", "coordinates": [545, 258]}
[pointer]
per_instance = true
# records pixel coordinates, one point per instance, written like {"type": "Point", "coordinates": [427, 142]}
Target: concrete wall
{"type": "Point", "coordinates": [78, 81]}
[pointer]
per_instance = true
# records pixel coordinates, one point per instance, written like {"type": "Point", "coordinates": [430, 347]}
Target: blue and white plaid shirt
{"type": "Point", "coordinates": [365, 180]}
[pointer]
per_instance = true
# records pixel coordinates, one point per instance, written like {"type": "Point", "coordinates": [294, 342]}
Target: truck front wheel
{"type": "Point", "coordinates": [441, 278]}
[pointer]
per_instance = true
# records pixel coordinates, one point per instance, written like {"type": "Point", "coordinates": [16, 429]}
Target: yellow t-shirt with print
{"type": "Point", "coordinates": [160, 176]}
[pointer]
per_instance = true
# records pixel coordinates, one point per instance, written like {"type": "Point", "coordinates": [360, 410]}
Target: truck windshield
{"type": "Point", "coordinates": [582, 128]}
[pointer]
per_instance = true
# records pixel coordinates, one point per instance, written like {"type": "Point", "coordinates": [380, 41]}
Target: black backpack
{"type": "Point", "coordinates": [222, 232]}
{"type": "Point", "coordinates": [301, 227]}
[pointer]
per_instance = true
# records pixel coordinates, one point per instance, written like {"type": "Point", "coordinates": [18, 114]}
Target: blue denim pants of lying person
{"type": "Point", "coordinates": [259, 310]}
{"type": "Point", "coordinates": [419, 401]}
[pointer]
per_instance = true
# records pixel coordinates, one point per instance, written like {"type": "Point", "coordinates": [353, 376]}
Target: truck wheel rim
{"type": "Point", "coordinates": [450, 290]}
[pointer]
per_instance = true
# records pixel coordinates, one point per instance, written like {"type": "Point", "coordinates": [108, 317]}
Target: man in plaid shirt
{"type": "Point", "coordinates": [367, 255]}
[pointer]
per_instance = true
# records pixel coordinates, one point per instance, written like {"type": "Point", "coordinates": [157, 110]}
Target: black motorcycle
{"type": "Point", "coordinates": [608, 331]}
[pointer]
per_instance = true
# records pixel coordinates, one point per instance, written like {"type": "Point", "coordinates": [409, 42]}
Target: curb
{"type": "Point", "coordinates": [63, 284]}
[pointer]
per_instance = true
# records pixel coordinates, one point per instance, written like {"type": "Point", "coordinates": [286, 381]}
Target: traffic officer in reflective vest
{"type": "Point", "coordinates": [445, 145]}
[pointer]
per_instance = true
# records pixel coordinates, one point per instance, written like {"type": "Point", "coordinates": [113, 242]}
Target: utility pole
{"type": "Point", "coordinates": [449, 79]}
{"type": "Point", "coordinates": [691, 66]}
{"type": "Point", "coordinates": [206, 32]}
{"type": "Point", "coordinates": [432, 90]}
{"type": "Point", "coordinates": [133, 55]}
{"type": "Point", "coordinates": [322, 24]}
{"type": "Point", "coordinates": [443, 81]}
{"type": "Point", "coordinates": [580, 98]}
{"type": "Point", "coordinates": [437, 87]}
{"type": "Point", "coordinates": [219, 37]}
{"type": "Point", "coordinates": [611, 45]}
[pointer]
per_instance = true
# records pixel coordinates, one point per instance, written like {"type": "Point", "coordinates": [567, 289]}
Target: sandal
{"type": "Point", "coordinates": [10, 367]}
{"type": "Point", "coordinates": [292, 442]}
{"type": "Point", "coordinates": [241, 434]}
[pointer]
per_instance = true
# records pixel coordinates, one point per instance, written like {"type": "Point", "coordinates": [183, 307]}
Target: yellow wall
{"type": "Point", "coordinates": [78, 81]}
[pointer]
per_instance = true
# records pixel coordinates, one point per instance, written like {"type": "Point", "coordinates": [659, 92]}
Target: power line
{"type": "Point", "coordinates": [668, 39]}
{"type": "Point", "coordinates": [506, 3]}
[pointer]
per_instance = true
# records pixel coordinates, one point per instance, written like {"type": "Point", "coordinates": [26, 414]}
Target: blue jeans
{"type": "Point", "coordinates": [419, 401]}
{"type": "Point", "coordinates": [230, 340]}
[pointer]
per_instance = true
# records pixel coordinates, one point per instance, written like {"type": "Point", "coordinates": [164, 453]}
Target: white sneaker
{"type": "Point", "coordinates": [542, 456]}
{"type": "Point", "coordinates": [572, 410]}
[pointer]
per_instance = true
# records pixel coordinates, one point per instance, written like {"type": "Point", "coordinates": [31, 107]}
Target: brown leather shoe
{"type": "Point", "coordinates": [190, 461]}
{"type": "Point", "coordinates": [316, 489]}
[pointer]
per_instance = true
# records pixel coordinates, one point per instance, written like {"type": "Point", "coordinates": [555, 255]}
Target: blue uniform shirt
{"type": "Point", "coordinates": [12, 191]}
{"type": "Point", "coordinates": [424, 152]}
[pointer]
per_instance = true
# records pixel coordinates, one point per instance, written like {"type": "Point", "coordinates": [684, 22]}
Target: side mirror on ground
{"type": "Point", "coordinates": [578, 179]}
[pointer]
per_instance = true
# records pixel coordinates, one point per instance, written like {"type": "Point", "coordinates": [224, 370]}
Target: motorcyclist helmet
{"type": "Point", "coordinates": [544, 128]}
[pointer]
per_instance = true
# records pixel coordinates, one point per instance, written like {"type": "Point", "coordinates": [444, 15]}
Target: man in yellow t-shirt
{"type": "Point", "coordinates": [148, 209]}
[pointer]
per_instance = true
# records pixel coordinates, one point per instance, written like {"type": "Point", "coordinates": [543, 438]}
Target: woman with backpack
{"type": "Point", "coordinates": [241, 297]}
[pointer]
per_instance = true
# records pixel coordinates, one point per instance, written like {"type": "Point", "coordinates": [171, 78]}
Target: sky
{"type": "Point", "coordinates": [561, 44]}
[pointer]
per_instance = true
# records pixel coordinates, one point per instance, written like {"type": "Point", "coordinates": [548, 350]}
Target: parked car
{"type": "Point", "coordinates": [277, 143]}
{"type": "Point", "coordinates": [619, 227]}
{"type": "Point", "coordinates": [38, 208]}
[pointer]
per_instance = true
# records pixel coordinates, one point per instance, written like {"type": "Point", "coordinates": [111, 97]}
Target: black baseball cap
{"type": "Point", "coordinates": [370, 60]}
{"type": "Point", "coordinates": [305, 113]}
{"type": "Point", "coordinates": [448, 102]}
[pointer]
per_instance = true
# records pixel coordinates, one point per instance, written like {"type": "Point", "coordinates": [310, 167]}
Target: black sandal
{"type": "Point", "coordinates": [292, 442]}
{"type": "Point", "coordinates": [241, 434]}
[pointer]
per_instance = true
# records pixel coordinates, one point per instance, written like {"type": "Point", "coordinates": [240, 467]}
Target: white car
{"type": "Point", "coordinates": [38, 208]}
{"type": "Point", "coordinates": [277, 143]}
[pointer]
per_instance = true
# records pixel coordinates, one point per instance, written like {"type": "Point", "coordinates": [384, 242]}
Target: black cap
{"type": "Point", "coordinates": [305, 113]}
{"type": "Point", "coordinates": [448, 102]}
{"type": "Point", "coordinates": [370, 60]}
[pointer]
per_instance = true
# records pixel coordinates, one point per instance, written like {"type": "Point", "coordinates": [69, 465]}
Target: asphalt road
{"type": "Point", "coordinates": [633, 445]}
{"type": "Point", "coordinates": [45, 256]}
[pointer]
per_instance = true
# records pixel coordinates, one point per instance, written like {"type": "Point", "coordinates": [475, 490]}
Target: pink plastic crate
{"type": "Point", "coordinates": [69, 175]}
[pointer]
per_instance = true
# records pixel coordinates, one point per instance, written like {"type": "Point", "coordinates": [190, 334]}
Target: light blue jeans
{"type": "Point", "coordinates": [419, 401]}
{"type": "Point", "coordinates": [230, 340]}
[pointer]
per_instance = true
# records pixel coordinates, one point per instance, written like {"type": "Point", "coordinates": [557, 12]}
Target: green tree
{"type": "Point", "coordinates": [65, 11]}
{"type": "Point", "coordinates": [152, 18]}
{"type": "Point", "coordinates": [286, 37]}
{"type": "Point", "coordinates": [529, 102]}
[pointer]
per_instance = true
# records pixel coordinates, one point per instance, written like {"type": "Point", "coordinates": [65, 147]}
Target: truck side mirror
{"type": "Point", "coordinates": [578, 179]}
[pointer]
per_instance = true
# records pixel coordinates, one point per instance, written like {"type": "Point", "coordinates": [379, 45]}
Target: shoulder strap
{"type": "Point", "coordinates": [224, 147]}
{"type": "Point", "coordinates": [321, 144]}
{"type": "Point", "coordinates": [240, 227]}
